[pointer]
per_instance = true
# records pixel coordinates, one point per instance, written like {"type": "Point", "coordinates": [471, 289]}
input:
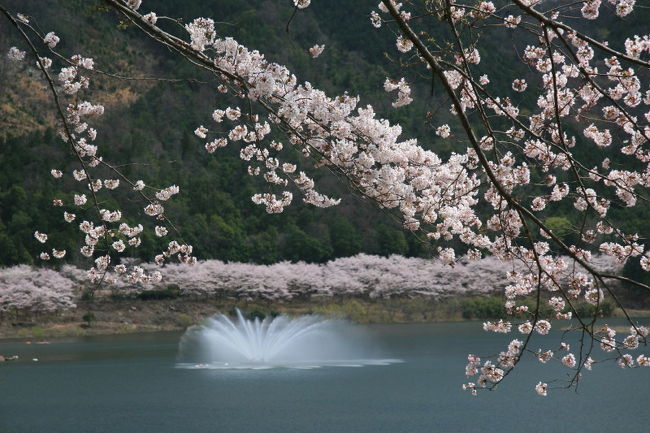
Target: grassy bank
{"type": "Point", "coordinates": [137, 315]}
{"type": "Point", "coordinates": [126, 316]}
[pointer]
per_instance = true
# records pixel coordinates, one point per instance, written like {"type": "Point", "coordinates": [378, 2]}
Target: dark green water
{"type": "Point", "coordinates": [130, 384]}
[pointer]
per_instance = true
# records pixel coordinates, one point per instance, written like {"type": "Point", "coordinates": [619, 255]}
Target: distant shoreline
{"type": "Point", "coordinates": [112, 317]}
{"type": "Point", "coordinates": [116, 317]}
{"type": "Point", "coordinates": [42, 303]}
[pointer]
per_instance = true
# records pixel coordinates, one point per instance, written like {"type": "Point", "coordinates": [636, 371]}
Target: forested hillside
{"type": "Point", "coordinates": [149, 126]}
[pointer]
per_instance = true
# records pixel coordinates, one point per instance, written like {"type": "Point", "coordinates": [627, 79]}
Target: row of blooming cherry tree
{"type": "Point", "coordinates": [511, 167]}
{"type": "Point", "coordinates": [46, 290]}
{"type": "Point", "coordinates": [24, 288]}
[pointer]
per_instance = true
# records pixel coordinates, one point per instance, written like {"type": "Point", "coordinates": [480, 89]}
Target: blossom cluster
{"type": "Point", "coordinates": [105, 232]}
{"type": "Point", "coordinates": [572, 78]}
{"type": "Point", "coordinates": [338, 133]}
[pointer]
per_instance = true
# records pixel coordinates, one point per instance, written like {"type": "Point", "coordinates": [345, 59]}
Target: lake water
{"type": "Point", "coordinates": [131, 384]}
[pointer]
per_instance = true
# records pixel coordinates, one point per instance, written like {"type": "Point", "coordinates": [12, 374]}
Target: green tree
{"type": "Point", "coordinates": [344, 237]}
{"type": "Point", "coordinates": [391, 241]}
{"type": "Point", "coordinates": [299, 246]}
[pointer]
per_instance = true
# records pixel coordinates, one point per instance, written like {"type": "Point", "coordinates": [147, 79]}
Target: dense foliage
{"type": "Point", "coordinates": [156, 128]}
{"type": "Point", "coordinates": [155, 136]}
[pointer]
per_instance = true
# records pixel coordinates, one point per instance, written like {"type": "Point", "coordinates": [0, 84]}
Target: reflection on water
{"type": "Point", "coordinates": [304, 365]}
{"type": "Point", "coordinates": [95, 348]}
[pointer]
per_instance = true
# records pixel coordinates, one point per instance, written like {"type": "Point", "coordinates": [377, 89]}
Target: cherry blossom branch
{"type": "Point", "coordinates": [557, 25]}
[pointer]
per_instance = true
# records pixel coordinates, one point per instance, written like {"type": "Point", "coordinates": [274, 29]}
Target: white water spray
{"type": "Point", "coordinates": [303, 342]}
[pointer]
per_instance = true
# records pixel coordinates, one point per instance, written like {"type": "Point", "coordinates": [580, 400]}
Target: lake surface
{"type": "Point", "coordinates": [131, 384]}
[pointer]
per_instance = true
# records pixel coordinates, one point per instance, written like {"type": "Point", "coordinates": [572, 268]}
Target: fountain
{"type": "Point", "coordinates": [304, 342]}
